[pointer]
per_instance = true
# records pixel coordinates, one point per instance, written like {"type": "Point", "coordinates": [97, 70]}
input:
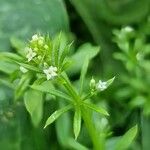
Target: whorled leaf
{"type": "Point", "coordinates": [127, 139]}
{"type": "Point", "coordinates": [57, 114]}
{"type": "Point", "coordinates": [77, 122]}
{"type": "Point", "coordinates": [98, 109]}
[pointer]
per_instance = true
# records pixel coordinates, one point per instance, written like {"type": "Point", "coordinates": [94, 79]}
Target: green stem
{"type": "Point", "coordinates": [86, 117]}
{"type": "Point", "coordinates": [91, 129]}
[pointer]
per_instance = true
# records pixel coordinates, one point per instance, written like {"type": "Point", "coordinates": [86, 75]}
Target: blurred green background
{"type": "Point", "coordinates": [84, 21]}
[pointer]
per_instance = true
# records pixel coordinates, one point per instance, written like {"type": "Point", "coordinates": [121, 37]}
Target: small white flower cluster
{"type": "Point", "coordinates": [36, 41]}
{"type": "Point", "coordinates": [30, 54]}
{"type": "Point", "coordinates": [37, 38]}
{"type": "Point", "coordinates": [101, 85]}
{"type": "Point", "coordinates": [128, 29]}
{"type": "Point", "coordinates": [51, 72]}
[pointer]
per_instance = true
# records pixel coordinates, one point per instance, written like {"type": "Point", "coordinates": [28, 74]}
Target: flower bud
{"type": "Point", "coordinates": [92, 84]}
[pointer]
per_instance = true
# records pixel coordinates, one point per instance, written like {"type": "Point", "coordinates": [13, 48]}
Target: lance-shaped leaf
{"type": "Point", "coordinates": [22, 85]}
{"type": "Point", "coordinates": [10, 56]}
{"type": "Point", "coordinates": [83, 73]}
{"type": "Point", "coordinates": [96, 108]}
{"type": "Point", "coordinates": [29, 67]}
{"type": "Point", "coordinates": [63, 54]}
{"type": "Point", "coordinates": [57, 114]}
{"type": "Point", "coordinates": [42, 87]}
{"type": "Point", "coordinates": [127, 139]}
{"type": "Point", "coordinates": [77, 122]}
{"type": "Point", "coordinates": [56, 48]}
{"type": "Point", "coordinates": [110, 81]}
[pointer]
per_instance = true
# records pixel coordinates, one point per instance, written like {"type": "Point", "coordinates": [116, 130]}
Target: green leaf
{"type": "Point", "coordinates": [145, 129]}
{"type": "Point", "coordinates": [10, 56]}
{"type": "Point", "coordinates": [29, 67]}
{"type": "Point", "coordinates": [64, 123]}
{"type": "Point", "coordinates": [8, 67]}
{"type": "Point", "coordinates": [77, 122]}
{"type": "Point", "coordinates": [73, 144]}
{"type": "Point", "coordinates": [66, 65]}
{"type": "Point", "coordinates": [6, 82]}
{"type": "Point", "coordinates": [42, 87]}
{"type": "Point", "coordinates": [22, 85]}
{"type": "Point", "coordinates": [34, 104]}
{"type": "Point", "coordinates": [64, 54]}
{"type": "Point", "coordinates": [18, 45]}
{"type": "Point", "coordinates": [110, 81]}
{"type": "Point", "coordinates": [26, 23]}
{"type": "Point", "coordinates": [127, 139]}
{"type": "Point", "coordinates": [111, 11]}
{"type": "Point", "coordinates": [96, 108]}
{"type": "Point", "coordinates": [57, 114]}
{"type": "Point", "coordinates": [85, 50]}
{"type": "Point", "coordinates": [56, 48]}
{"type": "Point", "coordinates": [83, 73]}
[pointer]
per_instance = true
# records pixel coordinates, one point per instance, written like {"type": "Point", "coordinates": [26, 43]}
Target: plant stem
{"type": "Point", "coordinates": [91, 129]}
{"type": "Point", "coordinates": [86, 117]}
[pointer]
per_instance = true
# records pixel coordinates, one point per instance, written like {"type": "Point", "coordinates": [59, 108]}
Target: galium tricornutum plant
{"type": "Point", "coordinates": [40, 69]}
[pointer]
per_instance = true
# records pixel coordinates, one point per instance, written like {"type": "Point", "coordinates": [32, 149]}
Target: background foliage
{"type": "Point", "coordinates": [124, 55]}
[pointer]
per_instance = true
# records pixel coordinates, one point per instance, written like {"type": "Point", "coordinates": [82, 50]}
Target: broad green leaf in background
{"type": "Point", "coordinates": [7, 67]}
{"type": "Point", "coordinates": [57, 114]}
{"type": "Point", "coordinates": [111, 11]}
{"type": "Point", "coordinates": [95, 12]}
{"type": "Point", "coordinates": [34, 104]}
{"type": "Point", "coordinates": [145, 124]}
{"type": "Point", "coordinates": [86, 50]}
{"type": "Point", "coordinates": [127, 139]}
{"type": "Point", "coordinates": [87, 9]}
{"type": "Point", "coordinates": [10, 56]}
{"type": "Point", "coordinates": [23, 18]}
{"type": "Point", "coordinates": [77, 122]}
{"type": "Point", "coordinates": [100, 16]}
{"type": "Point", "coordinates": [18, 45]}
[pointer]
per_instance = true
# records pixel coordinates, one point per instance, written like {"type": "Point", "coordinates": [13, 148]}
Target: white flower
{"type": "Point", "coordinates": [101, 85]}
{"type": "Point", "coordinates": [35, 37]}
{"type": "Point", "coordinates": [30, 54]}
{"type": "Point", "coordinates": [38, 38]}
{"type": "Point", "coordinates": [23, 70]}
{"type": "Point", "coordinates": [128, 29]}
{"type": "Point", "coordinates": [50, 72]}
{"type": "Point", "coordinates": [92, 83]}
